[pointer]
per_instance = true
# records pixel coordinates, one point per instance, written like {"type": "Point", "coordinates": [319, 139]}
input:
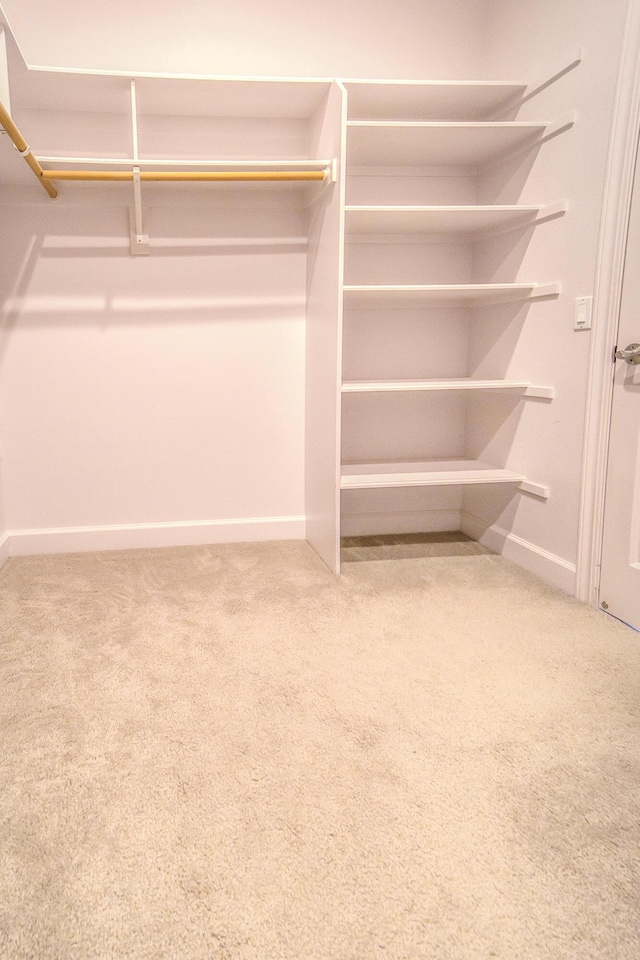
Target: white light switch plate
{"type": "Point", "coordinates": [582, 315]}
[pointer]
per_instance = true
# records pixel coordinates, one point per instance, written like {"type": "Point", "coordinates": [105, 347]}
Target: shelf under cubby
{"type": "Point", "coordinates": [524, 388]}
{"type": "Point", "coordinates": [466, 219]}
{"type": "Point", "coordinates": [429, 100]}
{"type": "Point", "coordinates": [384, 143]}
{"type": "Point", "coordinates": [361, 476]}
{"type": "Point", "coordinates": [424, 295]}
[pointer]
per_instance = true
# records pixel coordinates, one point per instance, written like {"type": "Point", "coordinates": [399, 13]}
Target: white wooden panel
{"type": "Point", "coordinates": [323, 333]}
{"type": "Point", "coordinates": [5, 91]}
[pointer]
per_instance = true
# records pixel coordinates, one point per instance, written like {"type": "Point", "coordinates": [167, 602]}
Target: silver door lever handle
{"type": "Point", "coordinates": [631, 353]}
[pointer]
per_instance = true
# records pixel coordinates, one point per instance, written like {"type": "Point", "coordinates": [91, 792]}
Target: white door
{"type": "Point", "coordinates": [620, 574]}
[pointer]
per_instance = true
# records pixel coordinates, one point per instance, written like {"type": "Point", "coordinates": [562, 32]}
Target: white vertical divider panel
{"type": "Point", "coordinates": [5, 98]}
{"type": "Point", "coordinates": [325, 262]}
{"type": "Point", "coordinates": [4, 537]}
{"type": "Point", "coordinates": [5, 93]}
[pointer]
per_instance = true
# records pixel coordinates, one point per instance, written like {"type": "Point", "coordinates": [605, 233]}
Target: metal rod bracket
{"type": "Point", "coordinates": [139, 239]}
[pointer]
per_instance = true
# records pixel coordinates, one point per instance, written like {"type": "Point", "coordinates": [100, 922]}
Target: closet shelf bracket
{"type": "Point", "coordinates": [139, 239]}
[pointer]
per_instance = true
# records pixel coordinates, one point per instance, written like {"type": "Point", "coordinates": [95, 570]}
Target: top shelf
{"type": "Point", "coordinates": [436, 100]}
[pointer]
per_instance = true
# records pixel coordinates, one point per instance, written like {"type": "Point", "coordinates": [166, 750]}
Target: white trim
{"type": "Point", "coordinates": [608, 288]}
{"type": "Point", "coordinates": [145, 535]}
{"type": "Point", "coordinates": [4, 549]}
{"type": "Point", "coordinates": [549, 567]}
{"type": "Point", "coordinates": [405, 521]}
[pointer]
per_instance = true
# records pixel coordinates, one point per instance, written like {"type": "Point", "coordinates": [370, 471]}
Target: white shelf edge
{"type": "Point", "coordinates": [434, 83]}
{"type": "Point", "coordinates": [483, 291]}
{"type": "Point", "coordinates": [141, 162]}
{"type": "Point", "coordinates": [544, 126]}
{"type": "Point", "coordinates": [448, 208]}
{"type": "Point", "coordinates": [431, 473]}
{"type": "Point", "coordinates": [516, 216]}
{"type": "Point", "coordinates": [454, 384]}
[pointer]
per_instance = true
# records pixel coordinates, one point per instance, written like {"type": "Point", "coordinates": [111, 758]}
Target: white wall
{"type": "Point", "coordinates": [531, 40]}
{"type": "Point", "coordinates": [408, 39]}
{"type": "Point", "coordinates": [167, 389]}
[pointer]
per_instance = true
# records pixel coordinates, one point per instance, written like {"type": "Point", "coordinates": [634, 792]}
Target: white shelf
{"type": "Point", "coordinates": [117, 163]}
{"type": "Point", "coordinates": [467, 219]}
{"type": "Point", "coordinates": [403, 295]}
{"type": "Point", "coordinates": [464, 383]}
{"type": "Point", "coordinates": [429, 100]}
{"type": "Point", "coordinates": [361, 476]}
{"type": "Point", "coordinates": [410, 144]}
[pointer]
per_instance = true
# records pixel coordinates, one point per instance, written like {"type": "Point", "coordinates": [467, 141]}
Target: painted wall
{"type": "Point", "coordinates": [166, 389]}
{"type": "Point", "coordinates": [343, 38]}
{"type": "Point", "coordinates": [546, 439]}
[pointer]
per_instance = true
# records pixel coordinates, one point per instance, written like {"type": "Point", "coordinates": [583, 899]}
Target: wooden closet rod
{"type": "Point", "coordinates": [25, 151]}
{"type": "Point", "coordinates": [192, 175]}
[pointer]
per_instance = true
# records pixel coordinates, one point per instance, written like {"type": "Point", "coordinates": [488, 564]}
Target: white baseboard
{"type": "Point", "coordinates": [376, 524]}
{"type": "Point", "coordinates": [549, 567]}
{"type": "Point", "coordinates": [4, 549]}
{"type": "Point", "coordinates": [145, 535]}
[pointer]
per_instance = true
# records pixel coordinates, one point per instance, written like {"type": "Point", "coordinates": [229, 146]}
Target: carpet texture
{"type": "Point", "coordinates": [227, 753]}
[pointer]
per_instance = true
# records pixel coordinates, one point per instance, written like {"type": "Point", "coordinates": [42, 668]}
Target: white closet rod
{"type": "Point", "coordinates": [24, 150]}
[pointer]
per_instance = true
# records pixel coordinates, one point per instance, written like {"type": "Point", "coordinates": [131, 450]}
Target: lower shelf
{"type": "Point", "coordinates": [362, 476]}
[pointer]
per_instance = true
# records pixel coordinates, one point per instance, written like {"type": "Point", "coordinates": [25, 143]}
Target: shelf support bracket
{"type": "Point", "coordinates": [139, 239]}
{"type": "Point", "coordinates": [535, 489]}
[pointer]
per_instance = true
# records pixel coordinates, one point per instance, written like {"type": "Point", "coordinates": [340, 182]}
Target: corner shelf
{"type": "Point", "coordinates": [464, 383]}
{"type": "Point", "coordinates": [421, 295]}
{"type": "Point", "coordinates": [427, 473]}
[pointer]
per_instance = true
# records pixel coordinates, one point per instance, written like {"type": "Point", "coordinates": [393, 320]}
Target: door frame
{"type": "Point", "coordinates": [616, 210]}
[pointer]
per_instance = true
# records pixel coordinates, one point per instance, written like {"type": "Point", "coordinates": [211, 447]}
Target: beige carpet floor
{"type": "Point", "coordinates": [226, 753]}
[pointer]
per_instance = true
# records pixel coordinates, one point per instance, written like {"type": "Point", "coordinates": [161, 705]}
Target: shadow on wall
{"type": "Point", "coordinates": [73, 266]}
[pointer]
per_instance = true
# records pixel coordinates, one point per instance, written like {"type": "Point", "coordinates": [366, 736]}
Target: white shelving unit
{"type": "Point", "coordinates": [428, 138]}
{"type": "Point", "coordinates": [396, 237]}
